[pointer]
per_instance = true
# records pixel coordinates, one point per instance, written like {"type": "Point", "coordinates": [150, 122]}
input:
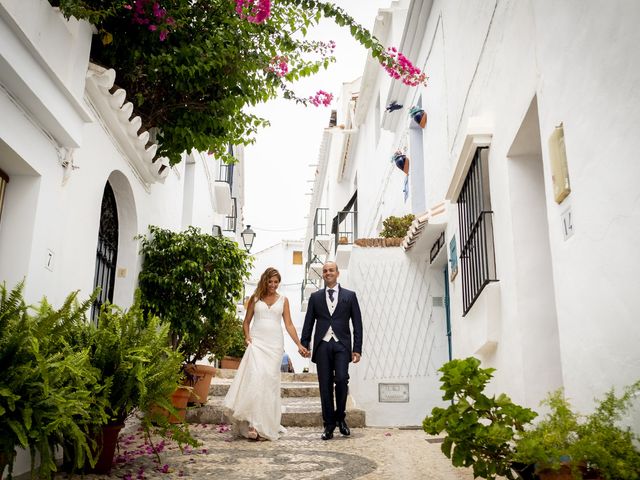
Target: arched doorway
{"type": "Point", "coordinates": [107, 251]}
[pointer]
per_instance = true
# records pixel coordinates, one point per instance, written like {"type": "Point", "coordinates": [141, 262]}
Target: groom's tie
{"type": "Point", "coordinates": [331, 291]}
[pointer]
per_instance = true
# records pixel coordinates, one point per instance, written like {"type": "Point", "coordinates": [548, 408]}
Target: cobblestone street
{"type": "Point", "coordinates": [370, 453]}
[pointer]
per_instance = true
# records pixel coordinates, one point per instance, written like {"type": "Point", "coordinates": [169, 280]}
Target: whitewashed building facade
{"type": "Point", "coordinates": [524, 183]}
{"type": "Point", "coordinates": [78, 180]}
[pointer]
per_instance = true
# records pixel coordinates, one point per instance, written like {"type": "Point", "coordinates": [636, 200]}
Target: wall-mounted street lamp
{"type": "Point", "coordinates": [247, 237]}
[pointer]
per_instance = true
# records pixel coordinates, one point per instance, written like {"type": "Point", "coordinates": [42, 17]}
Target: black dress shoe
{"type": "Point", "coordinates": [344, 428]}
{"type": "Point", "coordinates": [328, 433]}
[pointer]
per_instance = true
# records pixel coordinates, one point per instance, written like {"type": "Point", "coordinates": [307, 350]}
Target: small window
{"type": "Point", "coordinates": [297, 257]}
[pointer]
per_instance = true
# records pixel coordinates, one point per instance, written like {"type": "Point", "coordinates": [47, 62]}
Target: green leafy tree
{"type": "Point", "coordinates": [192, 281]}
{"type": "Point", "coordinates": [480, 430]}
{"type": "Point", "coordinates": [191, 67]}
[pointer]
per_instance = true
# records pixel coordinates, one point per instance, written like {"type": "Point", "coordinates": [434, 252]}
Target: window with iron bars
{"type": "Point", "coordinates": [477, 254]}
{"type": "Point", "coordinates": [230, 220]}
{"type": "Point", "coordinates": [225, 174]}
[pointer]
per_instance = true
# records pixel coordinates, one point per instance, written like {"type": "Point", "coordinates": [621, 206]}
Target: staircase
{"type": "Point", "coordinates": [300, 402]}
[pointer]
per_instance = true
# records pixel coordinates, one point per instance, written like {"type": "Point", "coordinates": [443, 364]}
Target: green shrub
{"type": "Point", "coordinates": [49, 392]}
{"type": "Point", "coordinates": [396, 226]}
{"type": "Point", "coordinates": [595, 441]}
{"type": "Point", "coordinates": [480, 430]}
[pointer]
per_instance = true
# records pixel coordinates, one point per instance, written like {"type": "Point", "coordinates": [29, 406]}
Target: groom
{"type": "Point", "coordinates": [331, 309]}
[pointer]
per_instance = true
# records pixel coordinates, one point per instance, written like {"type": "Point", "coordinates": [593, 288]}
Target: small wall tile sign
{"type": "Point", "coordinates": [393, 392]}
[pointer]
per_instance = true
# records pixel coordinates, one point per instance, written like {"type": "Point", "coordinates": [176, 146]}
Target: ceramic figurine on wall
{"type": "Point", "coordinates": [393, 106]}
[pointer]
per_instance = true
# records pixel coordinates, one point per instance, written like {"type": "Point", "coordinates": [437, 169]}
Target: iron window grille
{"type": "Point", "coordinates": [107, 252]}
{"type": "Point", "coordinates": [477, 253]}
{"type": "Point", "coordinates": [225, 174]}
{"type": "Point", "coordinates": [347, 229]}
{"type": "Point", "coordinates": [320, 222]}
{"type": "Point", "coordinates": [311, 275]}
{"type": "Point", "coordinates": [231, 220]}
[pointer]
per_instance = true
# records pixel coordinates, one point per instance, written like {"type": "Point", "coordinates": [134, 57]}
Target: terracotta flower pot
{"type": "Point", "coordinates": [202, 375]}
{"type": "Point", "coordinates": [231, 363]}
{"type": "Point", "coordinates": [107, 440]}
{"type": "Point", "coordinates": [179, 400]}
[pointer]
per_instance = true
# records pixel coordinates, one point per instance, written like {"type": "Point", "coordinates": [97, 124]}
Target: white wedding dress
{"type": "Point", "coordinates": [254, 396]}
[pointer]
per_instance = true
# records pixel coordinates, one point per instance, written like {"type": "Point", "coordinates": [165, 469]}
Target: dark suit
{"type": "Point", "coordinates": [332, 358]}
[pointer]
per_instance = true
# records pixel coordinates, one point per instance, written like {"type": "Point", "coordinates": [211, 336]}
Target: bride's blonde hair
{"type": "Point", "coordinates": [263, 283]}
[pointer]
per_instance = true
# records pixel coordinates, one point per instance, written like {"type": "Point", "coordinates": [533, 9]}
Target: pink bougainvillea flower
{"type": "Point", "coordinates": [400, 67]}
{"type": "Point", "coordinates": [254, 11]}
{"type": "Point", "coordinates": [163, 35]}
{"type": "Point", "coordinates": [165, 468]}
{"type": "Point", "coordinates": [279, 65]}
{"type": "Point", "coordinates": [128, 7]}
{"type": "Point", "coordinates": [321, 98]}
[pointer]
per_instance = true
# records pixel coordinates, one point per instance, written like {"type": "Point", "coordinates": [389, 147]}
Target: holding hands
{"type": "Point", "coordinates": [303, 351]}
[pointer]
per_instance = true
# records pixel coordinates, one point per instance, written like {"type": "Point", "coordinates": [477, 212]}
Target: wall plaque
{"type": "Point", "coordinates": [393, 392]}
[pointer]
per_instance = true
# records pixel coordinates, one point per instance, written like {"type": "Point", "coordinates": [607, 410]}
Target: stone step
{"type": "Point", "coordinates": [220, 387]}
{"type": "Point", "coordinates": [286, 377]}
{"type": "Point", "coordinates": [296, 412]}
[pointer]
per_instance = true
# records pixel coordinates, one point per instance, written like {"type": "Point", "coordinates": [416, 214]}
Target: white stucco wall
{"type": "Point", "coordinates": [490, 61]}
{"type": "Point", "coordinates": [563, 310]}
{"type": "Point", "coordinates": [404, 334]}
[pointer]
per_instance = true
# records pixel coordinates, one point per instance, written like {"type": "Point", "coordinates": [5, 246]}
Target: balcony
{"type": "Point", "coordinates": [345, 234]}
{"type": "Point", "coordinates": [225, 174]}
{"type": "Point", "coordinates": [231, 220]}
{"type": "Point", "coordinates": [321, 237]}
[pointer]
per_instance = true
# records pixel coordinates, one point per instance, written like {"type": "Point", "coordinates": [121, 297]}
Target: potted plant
{"type": "Point", "coordinates": [192, 281]}
{"type": "Point", "coordinates": [396, 227]}
{"type": "Point", "coordinates": [132, 354]}
{"type": "Point", "coordinates": [401, 161]}
{"type": "Point", "coordinates": [48, 390]}
{"type": "Point", "coordinates": [480, 430]}
{"type": "Point", "coordinates": [237, 347]}
{"type": "Point", "coordinates": [565, 444]}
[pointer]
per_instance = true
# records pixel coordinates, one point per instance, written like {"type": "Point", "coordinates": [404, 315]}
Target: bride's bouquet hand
{"type": "Point", "coordinates": [247, 341]}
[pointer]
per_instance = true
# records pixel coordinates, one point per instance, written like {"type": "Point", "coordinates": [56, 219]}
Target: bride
{"type": "Point", "coordinates": [254, 396]}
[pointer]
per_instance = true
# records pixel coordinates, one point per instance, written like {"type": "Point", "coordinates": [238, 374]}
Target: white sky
{"type": "Point", "coordinates": [277, 166]}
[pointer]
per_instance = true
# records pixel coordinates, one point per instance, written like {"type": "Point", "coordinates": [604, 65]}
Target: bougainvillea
{"type": "Point", "coordinates": [321, 98]}
{"type": "Point", "coordinates": [192, 67]}
{"type": "Point", "coordinates": [401, 68]}
{"type": "Point", "coordinates": [255, 11]}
